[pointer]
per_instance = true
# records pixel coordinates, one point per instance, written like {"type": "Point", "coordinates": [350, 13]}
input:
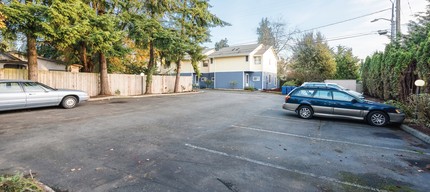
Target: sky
{"type": "Point", "coordinates": [245, 15]}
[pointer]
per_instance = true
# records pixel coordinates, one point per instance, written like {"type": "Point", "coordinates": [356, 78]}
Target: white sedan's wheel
{"type": "Point", "coordinates": [69, 102]}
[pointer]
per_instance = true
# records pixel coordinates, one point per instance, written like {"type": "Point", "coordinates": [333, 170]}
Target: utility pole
{"type": "Point", "coordinates": [398, 32]}
{"type": "Point", "coordinates": [393, 22]}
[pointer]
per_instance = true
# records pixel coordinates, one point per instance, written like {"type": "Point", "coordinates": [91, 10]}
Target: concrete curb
{"type": "Point", "coordinates": [141, 96]}
{"type": "Point", "coordinates": [416, 133]}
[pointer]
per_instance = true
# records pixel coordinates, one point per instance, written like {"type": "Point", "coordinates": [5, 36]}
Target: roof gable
{"type": "Point", "coordinates": [263, 50]}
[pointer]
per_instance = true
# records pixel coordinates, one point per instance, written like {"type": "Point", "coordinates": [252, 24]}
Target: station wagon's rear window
{"type": "Point", "coordinates": [303, 93]}
{"type": "Point", "coordinates": [323, 94]}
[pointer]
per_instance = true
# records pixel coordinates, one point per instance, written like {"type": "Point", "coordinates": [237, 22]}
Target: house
{"type": "Point", "coordinates": [236, 67]}
{"type": "Point", "coordinates": [18, 61]}
{"type": "Point", "coordinates": [9, 61]}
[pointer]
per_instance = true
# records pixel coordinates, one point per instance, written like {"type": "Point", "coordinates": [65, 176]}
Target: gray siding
{"type": "Point", "coordinates": [272, 83]}
{"type": "Point", "coordinates": [209, 76]}
{"type": "Point", "coordinates": [255, 84]}
{"type": "Point", "coordinates": [223, 79]}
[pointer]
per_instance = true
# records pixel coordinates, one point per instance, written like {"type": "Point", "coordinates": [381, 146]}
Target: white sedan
{"type": "Point", "coordinates": [21, 94]}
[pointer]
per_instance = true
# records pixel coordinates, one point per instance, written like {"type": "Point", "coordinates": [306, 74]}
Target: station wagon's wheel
{"type": "Point", "coordinates": [377, 118]}
{"type": "Point", "coordinates": [305, 112]}
{"type": "Point", "coordinates": [69, 102]}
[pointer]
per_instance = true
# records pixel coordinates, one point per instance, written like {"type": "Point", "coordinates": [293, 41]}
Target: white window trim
{"type": "Point", "coordinates": [255, 60]}
{"type": "Point", "coordinates": [247, 79]}
{"type": "Point", "coordinates": [256, 78]}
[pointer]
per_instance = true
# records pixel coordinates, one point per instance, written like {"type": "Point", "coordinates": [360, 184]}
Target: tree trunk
{"type": "Point", "coordinates": [178, 76]}
{"type": "Point", "coordinates": [90, 66]}
{"type": "Point", "coordinates": [151, 67]}
{"type": "Point", "coordinates": [84, 56]}
{"type": "Point", "coordinates": [104, 80]}
{"type": "Point", "coordinates": [32, 58]}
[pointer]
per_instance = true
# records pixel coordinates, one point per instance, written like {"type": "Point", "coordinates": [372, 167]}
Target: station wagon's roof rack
{"type": "Point", "coordinates": [320, 86]}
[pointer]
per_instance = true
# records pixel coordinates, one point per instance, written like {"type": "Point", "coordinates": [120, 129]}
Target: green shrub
{"type": "Point", "coordinates": [420, 102]}
{"type": "Point", "coordinates": [19, 183]}
{"type": "Point", "coordinates": [290, 83]}
{"type": "Point", "coordinates": [209, 83]}
{"type": "Point", "coordinates": [406, 108]}
{"type": "Point", "coordinates": [250, 88]}
{"type": "Point", "coordinates": [117, 92]}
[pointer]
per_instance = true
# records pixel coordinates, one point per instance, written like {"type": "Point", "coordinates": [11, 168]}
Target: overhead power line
{"type": "Point", "coordinates": [351, 36]}
{"type": "Point", "coordinates": [327, 39]}
{"type": "Point", "coordinates": [343, 21]}
{"type": "Point", "coordinates": [327, 25]}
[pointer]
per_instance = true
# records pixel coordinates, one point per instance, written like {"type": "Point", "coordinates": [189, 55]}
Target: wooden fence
{"type": "Point", "coordinates": [120, 84]}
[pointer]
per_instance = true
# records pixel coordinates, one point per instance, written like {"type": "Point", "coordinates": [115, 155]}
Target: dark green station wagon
{"type": "Point", "coordinates": [331, 102]}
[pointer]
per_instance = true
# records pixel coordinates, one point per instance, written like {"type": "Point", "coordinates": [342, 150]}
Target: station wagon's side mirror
{"type": "Point", "coordinates": [354, 101]}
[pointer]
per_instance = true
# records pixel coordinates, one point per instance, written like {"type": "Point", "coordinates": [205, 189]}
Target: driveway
{"type": "Point", "coordinates": [211, 141]}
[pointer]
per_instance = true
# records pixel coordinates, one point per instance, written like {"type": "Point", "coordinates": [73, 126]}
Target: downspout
{"type": "Point", "coordinates": [243, 79]}
{"type": "Point", "coordinates": [213, 63]}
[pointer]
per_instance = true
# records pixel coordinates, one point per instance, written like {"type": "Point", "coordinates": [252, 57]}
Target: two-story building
{"type": "Point", "coordinates": [236, 67]}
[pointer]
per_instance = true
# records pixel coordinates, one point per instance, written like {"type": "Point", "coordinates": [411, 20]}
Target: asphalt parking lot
{"type": "Point", "coordinates": [211, 141]}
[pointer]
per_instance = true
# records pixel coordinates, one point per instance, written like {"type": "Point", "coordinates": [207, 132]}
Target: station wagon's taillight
{"type": "Point", "coordinates": [286, 98]}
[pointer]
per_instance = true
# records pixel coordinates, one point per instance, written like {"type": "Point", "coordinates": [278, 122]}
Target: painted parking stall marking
{"type": "Point", "coordinates": [329, 140]}
{"type": "Point", "coordinates": [296, 120]}
{"type": "Point", "coordinates": [283, 168]}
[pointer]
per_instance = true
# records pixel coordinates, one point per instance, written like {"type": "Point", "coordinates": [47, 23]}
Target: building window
{"type": "Point", "coordinates": [212, 60]}
{"type": "Point", "coordinates": [257, 60]}
{"type": "Point", "coordinates": [270, 79]}
{"type": "Point", "coordinates": [205, 63]}
{"type": "Point", "coordinates": [276, 81]}
{"type": "Point", "coordinates": [213, 78]}
{"type": "Point", "coordinates": [256, 78]}
{"type": "Point", "coordinates": [246, 58]}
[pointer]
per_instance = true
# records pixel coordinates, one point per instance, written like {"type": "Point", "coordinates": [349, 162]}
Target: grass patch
{"type": "Point", "coordinates": [19, 183]}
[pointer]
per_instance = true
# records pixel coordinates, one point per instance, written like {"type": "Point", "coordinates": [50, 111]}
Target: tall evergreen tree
{"type": "Point", "coordinates": [312, 59]}
{"type": "Point", "coordinates": [28, 18]}
{"type": "Point", "coordinates": [147, 31]}
{"type": "Point", "coordinates": [265, 33]}
{"type": "Point", "coordinates": [346, 63]}
{"type": "Point", "coordinates": [56, 20]}
{"type": "Point", "coordinates": [2, 18]}
{"type": "Point", "coordinates": [221, 44]}
{"type": "Point", "coordinates": [192, 22]}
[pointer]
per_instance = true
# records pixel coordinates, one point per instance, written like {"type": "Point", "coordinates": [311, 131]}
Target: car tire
{"type": "Point", "coordinates": [69, 102]}
{"type": "Point", "coordinates": [377, 118]}
{"type": "Point", "coordinates": [305, 112]}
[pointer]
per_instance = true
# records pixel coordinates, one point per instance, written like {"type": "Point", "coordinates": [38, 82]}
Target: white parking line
{"type": "Point", "coordinates": [306, 121]}
{"type": "Point", "coordinates": [283, 168]}
{"type": "Point", "coordinates": [329, 140]}
{"type": "Point", "coordinates": [289, 119]}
